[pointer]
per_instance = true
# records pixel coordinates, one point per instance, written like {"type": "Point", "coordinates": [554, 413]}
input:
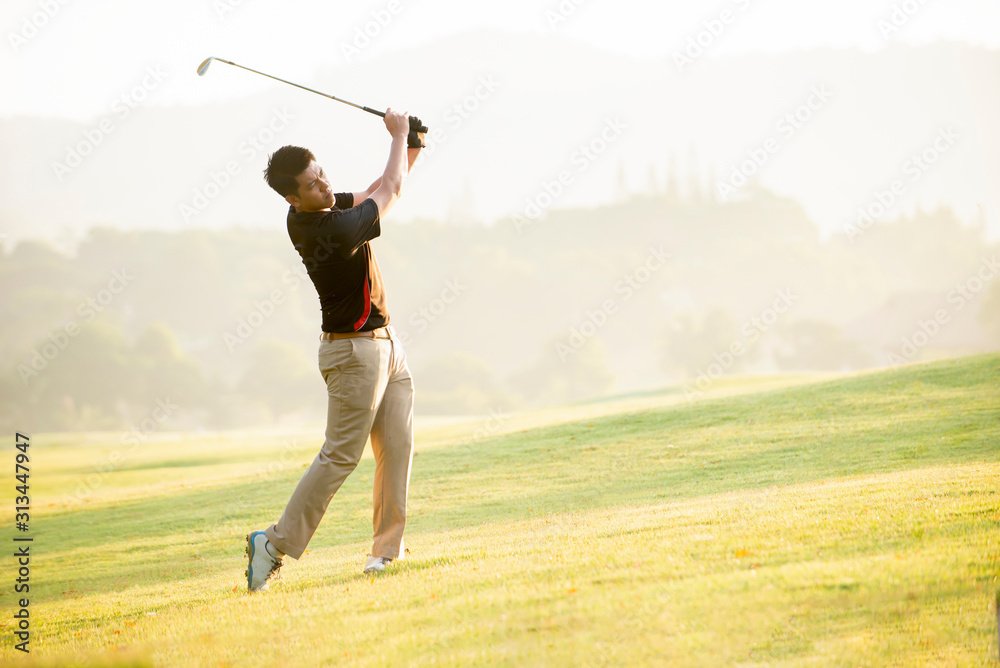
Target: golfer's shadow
{"type": "Point", "coordinates": [348, 575]}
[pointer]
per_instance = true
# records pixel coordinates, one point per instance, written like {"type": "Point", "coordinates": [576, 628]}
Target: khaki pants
{"type": "Point", "coordinates": [370, 392]}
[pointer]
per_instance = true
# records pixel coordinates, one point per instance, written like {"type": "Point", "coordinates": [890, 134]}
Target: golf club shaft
{"type": "Point", "coordinates": [422, 128]}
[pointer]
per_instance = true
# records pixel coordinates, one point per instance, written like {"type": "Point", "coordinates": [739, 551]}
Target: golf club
{"type": "Point", "coordinates": [208, 61]}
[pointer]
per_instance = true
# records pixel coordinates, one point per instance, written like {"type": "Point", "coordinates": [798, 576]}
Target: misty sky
{"type": "Point", "coordinates": [72, 63]}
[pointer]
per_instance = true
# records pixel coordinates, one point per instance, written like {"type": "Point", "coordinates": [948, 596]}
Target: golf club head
{"type": "Point", "coordinates": [204, 66]}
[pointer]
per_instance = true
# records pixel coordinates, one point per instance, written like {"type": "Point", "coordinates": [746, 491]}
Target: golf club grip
{"type": "Point", "coordinates": [413, 121]}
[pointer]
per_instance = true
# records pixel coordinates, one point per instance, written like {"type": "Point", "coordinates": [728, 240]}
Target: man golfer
{"type": "Point", "coordinates": [369, 388]}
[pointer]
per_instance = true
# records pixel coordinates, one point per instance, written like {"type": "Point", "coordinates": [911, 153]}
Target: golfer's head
{"type": "Point", "coordinates": [293, 173]}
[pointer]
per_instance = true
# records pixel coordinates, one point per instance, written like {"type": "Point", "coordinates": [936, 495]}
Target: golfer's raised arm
{"type": "Point", "coordinates": [391, 186]}
{"type": "Point", "coordinates": [411, 157]}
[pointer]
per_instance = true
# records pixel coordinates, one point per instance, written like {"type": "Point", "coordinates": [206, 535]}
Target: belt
{"type": "Point", "coordinates": [380, 333]}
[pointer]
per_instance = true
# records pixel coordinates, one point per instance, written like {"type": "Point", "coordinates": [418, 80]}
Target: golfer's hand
{"type": "Point", "coordinates": [397, 123]}
{"type": "Point", "coordinates": [415, 139]}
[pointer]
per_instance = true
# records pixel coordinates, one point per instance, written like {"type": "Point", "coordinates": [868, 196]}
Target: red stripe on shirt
{"type": "Point", "coordinates": [368, 307]}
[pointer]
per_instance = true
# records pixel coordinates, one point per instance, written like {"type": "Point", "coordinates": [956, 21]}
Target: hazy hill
{"type": "Point", "coordinates": [632, 295]}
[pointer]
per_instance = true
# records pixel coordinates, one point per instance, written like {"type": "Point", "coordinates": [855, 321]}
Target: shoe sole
{"type": "Point", "coordinates": [250, 554]}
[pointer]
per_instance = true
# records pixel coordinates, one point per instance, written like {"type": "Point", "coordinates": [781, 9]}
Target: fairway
{"type": "Point", "coordinates": [844, 521]}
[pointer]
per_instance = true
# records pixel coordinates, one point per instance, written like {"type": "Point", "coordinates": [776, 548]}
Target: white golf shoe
{"type": "Point", "coordinates": [377, 564]}
{"type": "Point", "coordinates": [260, 564]}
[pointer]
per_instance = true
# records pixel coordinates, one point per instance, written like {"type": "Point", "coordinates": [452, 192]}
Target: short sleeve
{"type": "Point", "coordinates": [347, 229]}
{"type": "Point", "coordinates": [343, 200]}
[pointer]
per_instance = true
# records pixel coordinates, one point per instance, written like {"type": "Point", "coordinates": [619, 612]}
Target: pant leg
{"type": "Point", "coordinates": [392, 444]}
{"type": "Point", "coordinates": [356, 371]}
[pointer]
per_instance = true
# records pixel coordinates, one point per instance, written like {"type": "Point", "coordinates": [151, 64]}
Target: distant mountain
{"type": "Point", "coordinates": [511, 114]}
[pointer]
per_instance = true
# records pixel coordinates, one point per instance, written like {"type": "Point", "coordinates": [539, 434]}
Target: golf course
{"type": "Point", "coordinates": [846, 520]}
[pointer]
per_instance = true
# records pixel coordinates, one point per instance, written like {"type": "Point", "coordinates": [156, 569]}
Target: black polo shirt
{"type": "Point", "coordinates": [335, 250]}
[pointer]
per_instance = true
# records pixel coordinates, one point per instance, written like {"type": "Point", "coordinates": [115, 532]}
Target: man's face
{"type": "Point", "coordinates": [314, 192]}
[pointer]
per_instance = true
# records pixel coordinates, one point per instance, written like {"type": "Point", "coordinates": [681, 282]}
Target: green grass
{"type": "Point", "coordinates": [851, 521]}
